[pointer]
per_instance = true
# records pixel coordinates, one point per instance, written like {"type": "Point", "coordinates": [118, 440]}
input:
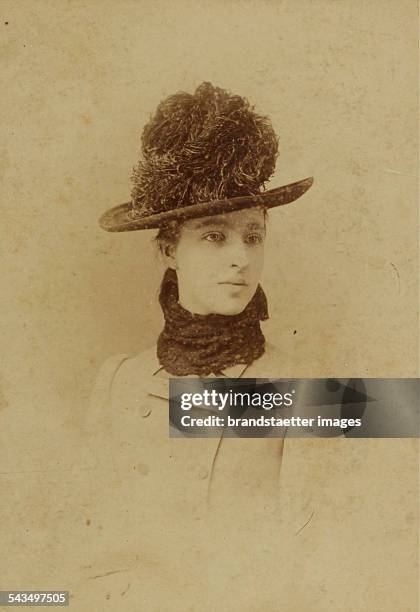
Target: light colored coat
{"type": "Point", "coordinates": [232, 524]}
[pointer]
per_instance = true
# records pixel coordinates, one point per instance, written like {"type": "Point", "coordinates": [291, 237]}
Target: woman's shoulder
{"type": "Point", "coordinates": [122, 369]}
{"type": "Point", "coordinates": [145, 361]}
{"type": "Point", "coordinates": [273, 363]}
{"type": "Point", "coordinates": [141, 365]}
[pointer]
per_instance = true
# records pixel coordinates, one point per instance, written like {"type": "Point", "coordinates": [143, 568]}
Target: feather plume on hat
{"type": "Point", "coordinates": [202, 153]}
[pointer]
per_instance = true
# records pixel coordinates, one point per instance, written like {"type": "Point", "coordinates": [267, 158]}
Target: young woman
{"type": "Point", "coordinates": [205, 160]}
{"type": "Point", "coordinates": [200, 181]}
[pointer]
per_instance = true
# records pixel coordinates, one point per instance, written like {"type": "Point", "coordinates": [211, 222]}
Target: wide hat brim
{"type": "Point", "coordinates": [122, 218]}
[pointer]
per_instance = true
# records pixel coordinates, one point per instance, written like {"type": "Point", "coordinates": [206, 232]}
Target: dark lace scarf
{"type": "Point", "coordinates": [205, 344]}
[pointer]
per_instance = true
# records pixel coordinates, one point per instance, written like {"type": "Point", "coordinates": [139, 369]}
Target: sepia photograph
{"type": "Point", "coordinates": [208, 193]}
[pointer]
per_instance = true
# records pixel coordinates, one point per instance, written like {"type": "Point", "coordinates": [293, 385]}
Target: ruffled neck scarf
{"type": "Point", "coordinates": [193, 344]}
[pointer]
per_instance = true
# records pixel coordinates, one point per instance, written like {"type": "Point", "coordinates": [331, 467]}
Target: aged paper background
{"type": "Point", "coordinates": [80, 79]}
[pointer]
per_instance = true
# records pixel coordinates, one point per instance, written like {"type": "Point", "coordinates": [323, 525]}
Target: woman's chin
{"type": "Point", "coordinates": [231, 308]}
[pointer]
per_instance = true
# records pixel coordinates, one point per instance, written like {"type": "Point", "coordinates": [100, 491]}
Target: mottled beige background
{"type": "Point", "coordinates": [339, 80]}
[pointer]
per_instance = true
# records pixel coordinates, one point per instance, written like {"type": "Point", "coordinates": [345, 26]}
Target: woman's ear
{"type": "Point", "coordinates": [168, 254]}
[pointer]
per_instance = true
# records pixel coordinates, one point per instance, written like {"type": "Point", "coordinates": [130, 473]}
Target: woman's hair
{"type": "Point", "coordinates": [168, 235]}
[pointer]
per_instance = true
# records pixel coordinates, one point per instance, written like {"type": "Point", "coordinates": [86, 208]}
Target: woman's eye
{"type": "Point", "coordinates": [254, 239]}
{"type": "Point", "coordinates": [214, 237]}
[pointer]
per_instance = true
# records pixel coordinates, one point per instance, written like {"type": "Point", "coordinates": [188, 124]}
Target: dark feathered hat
{"type": "Point", "coordinates": [202, 154]}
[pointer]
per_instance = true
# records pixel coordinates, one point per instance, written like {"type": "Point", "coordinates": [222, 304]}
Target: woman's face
{"type": "Point", "coordinates": [219, 260]}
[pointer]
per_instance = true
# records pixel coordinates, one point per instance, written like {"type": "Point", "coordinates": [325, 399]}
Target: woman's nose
{"type": "Point", "coordinates": [239, 254]}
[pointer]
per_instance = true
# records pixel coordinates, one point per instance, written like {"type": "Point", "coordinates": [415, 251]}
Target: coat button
{"type": "Point", "coordinates": [202, 473]}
